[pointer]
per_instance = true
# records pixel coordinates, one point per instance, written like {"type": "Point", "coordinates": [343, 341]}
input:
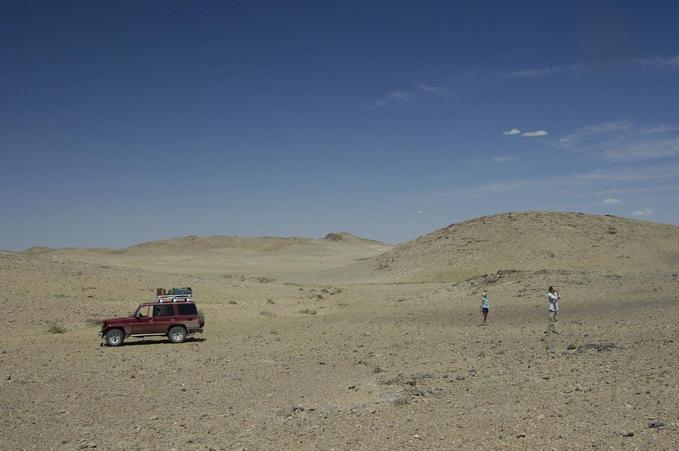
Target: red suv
{"type": "Point", "coordinates": [175, 320]}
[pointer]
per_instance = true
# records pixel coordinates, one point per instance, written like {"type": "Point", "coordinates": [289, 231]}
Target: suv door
{"type": "Point", "coordinates": [143, 321]}
{"type": "Point", "coordinates": [163, 317]}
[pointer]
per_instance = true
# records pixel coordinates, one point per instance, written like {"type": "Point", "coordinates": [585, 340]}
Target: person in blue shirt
{"type": "Point", "coordinates": [485, 305]}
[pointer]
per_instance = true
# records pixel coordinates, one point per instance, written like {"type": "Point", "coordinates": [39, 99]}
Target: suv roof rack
{"type": "Point", "coordinates": [168, 298]}
{"type": "Point", "coordinates": [174, 294]}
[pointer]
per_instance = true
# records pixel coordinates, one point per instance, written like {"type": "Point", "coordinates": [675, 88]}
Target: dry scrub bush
{"type": "Point", "coordinates": [308, 311]}
{"type": "Point", "coordinates": [55, 328]}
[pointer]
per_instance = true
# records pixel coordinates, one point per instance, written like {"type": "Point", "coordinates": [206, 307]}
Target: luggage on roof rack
{"type": "Point", "coordinates": [174, 294]}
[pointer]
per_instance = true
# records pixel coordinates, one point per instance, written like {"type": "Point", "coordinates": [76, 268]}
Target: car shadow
{"type": "Point", "coordinates": [157, 341]}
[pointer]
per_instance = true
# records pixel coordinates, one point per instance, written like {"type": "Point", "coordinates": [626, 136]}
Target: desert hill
{"type": "Point", "coordinates": [227, 254]}
{"type": "Point", "coordinates": [268, 245]}
{"type": "Point", "coordinates": [530, 241]}
{"type": "Point", "coordinates": [193, 244]}
{"type": "Point", "coordinates": [349, 238]}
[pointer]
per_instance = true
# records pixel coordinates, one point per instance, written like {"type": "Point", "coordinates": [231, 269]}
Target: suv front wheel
{"type": "Point", "coordinates": [177, 334]}
{"type": "Point", "coordinates": [115, 337]}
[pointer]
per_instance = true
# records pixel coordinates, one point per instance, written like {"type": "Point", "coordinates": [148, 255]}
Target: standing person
{"type": "Point", "coordinates": [553, 303]}
{"type": "Point", "coordinates": [485, 305]}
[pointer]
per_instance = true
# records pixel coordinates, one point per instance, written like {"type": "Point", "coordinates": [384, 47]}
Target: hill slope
{"type": "Point", "coordinates": [227, 254]}
{"type": "Point", "coordinates": [530, 241]}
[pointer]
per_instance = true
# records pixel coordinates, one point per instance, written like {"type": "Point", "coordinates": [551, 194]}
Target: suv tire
{"type": "Point", "coordinates": [176, 334]}
{"type": "Point", "coordinates": [115, 337]}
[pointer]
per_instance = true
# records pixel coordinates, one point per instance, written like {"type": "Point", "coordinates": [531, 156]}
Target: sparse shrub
{"type": "Point", "coordinates": [382, 266]}
{"type": "Point", "coordinates": [55, 328]}
{"type": "Point", "coordinates": [270, 301]}
{"type": "Point", "coordinates": [92, 322]}
{"type": "Point", "coordinates": [267, 313]}
{"type": "Point", "coordinates": [308, 311]}
{"type": "Point", "coordinates": [233, 302]}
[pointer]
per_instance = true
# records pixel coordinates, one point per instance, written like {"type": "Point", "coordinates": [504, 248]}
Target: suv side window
{"type": "Point", "coordinates": [187, 309]}
{"type": "Point", "coordinates": [163, 310]}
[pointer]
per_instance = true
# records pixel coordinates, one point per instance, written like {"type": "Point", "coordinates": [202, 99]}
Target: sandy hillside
{"type": "Point", "coordinates": [229, 254]}
{"type": "Point", "coordinates": [345, 343]}
{"type": "Point", "coordinates": [531, 241]}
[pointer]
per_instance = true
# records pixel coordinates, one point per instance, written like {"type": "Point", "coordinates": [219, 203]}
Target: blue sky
{"type": "Point", "coordinates": [123, 122]}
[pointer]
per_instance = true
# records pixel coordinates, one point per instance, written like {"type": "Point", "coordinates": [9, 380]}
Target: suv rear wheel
{"type": "Point", "coordinates": [115, 337]}
{"type": "Point", "coordinates": [177, 334]}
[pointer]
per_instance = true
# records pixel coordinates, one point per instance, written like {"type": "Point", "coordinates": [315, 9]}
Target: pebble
{"type": "Point", "coordinates": [657, 424]}
{"type": "Point", "coordinates": [286, 411]}
{"type": "Point", "coordinates": [397, 399]}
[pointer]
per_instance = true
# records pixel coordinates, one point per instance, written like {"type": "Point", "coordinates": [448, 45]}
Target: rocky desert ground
{"type": "Point", "coordinates": [347, 343]}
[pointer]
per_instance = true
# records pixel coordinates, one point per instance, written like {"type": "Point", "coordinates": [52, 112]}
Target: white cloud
{"type": "Point", "coordinates": [643, 213]}
{"type": "Point", "coordinates": [609, 179]}
{"type": "Point", "coordinates": [429, 89]}
{"type": "Point", "coordinates": [535, 133]}
{"type": "Point", "coordinates": [391, 98]}
{"type": "Point", "coordinates": [660, 128]}
{"type": "Point", "coordinates": [400, 96]}
{"type": "Point", "coordinates": [657, 62]}
{"type": "Point", "coordinates": [577, 70]}
{"type": "Point", "coordinates": [645, 150]}
{"type": "Point", "coordinates": [628, 174]}
{"type": "Point", "coordinates": [498, 187]}
{"type": "Point", "coordinates": [569, 70]}
{"type": "Point", "coordinates": [623, 140]}
{"type": "Point", "coordinates": [531, 134]}
{"type": "Point", "coordinates": [419, 212]}
{"type": "Point", "coordinates": [611, 201]}
{"type": "Point", "coordinates": [513, 131]}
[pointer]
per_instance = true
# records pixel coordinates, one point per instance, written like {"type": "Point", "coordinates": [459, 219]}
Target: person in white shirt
{"type": "Point", "coordinates": [485, 305]}
{"type": "Point", "coordinates": [553, 303]}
